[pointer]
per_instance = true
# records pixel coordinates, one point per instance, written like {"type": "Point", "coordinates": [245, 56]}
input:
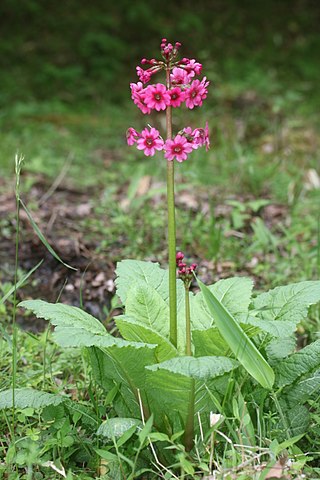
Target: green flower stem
{"type": "Point", "coordinates": [171, 230]}
{"type": "Point", "coordinates": [188, 322]}
{"type": "Point", "coordinates": [189, 430]}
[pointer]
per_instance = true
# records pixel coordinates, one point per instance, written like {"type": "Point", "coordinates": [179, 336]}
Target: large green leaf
{"type": "Point", "coordinates": [303, 389]}
{"type": "Point", "coordinates": [64, 315]}
{"type": "Point", "coordinates": [211, 342]}
{"type": "Point", "coordinates": [146, 305]}
{"type": "Point", "coordinates": [133, 272]}
{"type": "Point", "coordinates": [199, 368]}
{"type": "Point", "coordinates": [276, 328]}
{"type": "Point", "coordinates": [124, 367]}
{"type": "Point", "coordinates": [241, 345]}
{"type": "Point", "coordinates": [289, 303]}
{"type": "Point", "coordinates": [29, 398]}
{"type": "Point", "coordinates": [132, 330]}
{"type": "Point", "coordinates": [233, 293]}
{"type": "Point", "coordinates": [298, 364]}
{"type": "Point", "coordinates": [171, 386]}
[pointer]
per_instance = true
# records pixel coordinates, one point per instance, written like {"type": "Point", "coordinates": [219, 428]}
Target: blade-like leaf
{"type": "Point", "coordinates": [135, 331]}
{"type": "Point", "coordinates": [21, 282]}
{"type": "Point", "coordinates": [42, 237]}
{"type": "Point", "coordinates": [240, 344]}
{"type": "Point", "coordinates": [29, 398]}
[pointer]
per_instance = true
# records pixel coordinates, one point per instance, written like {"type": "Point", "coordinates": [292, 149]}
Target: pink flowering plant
{"type": "Point", "coordinates": [182, 359]}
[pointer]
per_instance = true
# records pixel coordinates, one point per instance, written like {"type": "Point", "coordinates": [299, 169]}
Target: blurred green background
{"type": "Point", "coordinates": [65, 104]}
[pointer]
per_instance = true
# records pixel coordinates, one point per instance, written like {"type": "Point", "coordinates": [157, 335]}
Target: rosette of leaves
{"type": "Point", "coordinates": [243, 347]}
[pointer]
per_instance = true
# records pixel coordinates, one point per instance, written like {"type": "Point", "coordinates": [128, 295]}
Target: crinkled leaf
{"type": "Point", "coordinates": [280, 348]}
{"type": "Point", "coordinates": [297, 421]}
{"type": "Point", "coordinates": [200, 368]}
{"type": "Point", "coordinates": [132, 330]}
{"type": "Point", "coordinates": [234, 293]}
{"type": "Point", "coordinates": [288, 303]}
{"type": "Point", "coordinates": [304, 389]}
{"type": "Point", "coordinates": [78, 337]}
{"type": "Point", "coordinates": [276, 328]}
{"type": "Point", "coordinates": [64, 315]}
{"type": "Point", "coordinates": [28, 397]}
{"type": "Point", "coordinates": [298, 364]}
{"type": "Point", "coordinates": [241, 345]}
{"type": "Point", "coordinates": [146, 305]}
{"type": "Point", "coordinates": [116, 427]}
{"type": "Point", "coordinates": [133, 272]}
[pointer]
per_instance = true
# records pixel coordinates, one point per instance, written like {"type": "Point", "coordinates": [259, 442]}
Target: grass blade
{"type": "Point", "coordinates": [21, 282]}
{"type": "Point", "coordinates": [43, 238]}
{"type": "Point", "coordinates": [241, 345]}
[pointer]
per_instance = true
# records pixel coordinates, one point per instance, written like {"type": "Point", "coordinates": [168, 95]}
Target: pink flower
{"type": "Point", "coordinates": [177, 96]}
{"type": "Point", "coordinates": [194, 67]}
{"type": "Point", "coordinates": [157, 97]}
{"type": "Point", "coordinates": [196, 93]}
{"type": "Point", "coordinates": [179, 76]}
{"type": "Point", "coordinates": [198, 137]}
{"type": "Point", "coordinates": [144, 75]}
{"type": "Point", "coordinates": [150, 141]}
{"type": "Point", "coordinates": [137, 95]}
{"type": "Point", "coordinates": [177, 148]}
{"type": "Point", "coordinates": [132, 136]}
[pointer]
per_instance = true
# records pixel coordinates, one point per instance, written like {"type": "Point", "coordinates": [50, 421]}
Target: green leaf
{"type": "Point", "coordinates": [28, 397]}
{"type": "Point", "coordinates": [276, 328]}
{"type": "Point", "coordinates": [280, 348]}
{"type": "Point", "coordinates": [303, 390]}
{"type": "Point", "coordinates": [233, 293]}
{"type": "Point", "coordinates": [123, 366]}
{"type": "Point", "coordinates": [143, 434]}
{"type": "Point", "coordinates": [240, 344]}
{"type": "Point", "coordinates": [297, 421]}
{"type": "Point", "coordinates": [133, 272]}
{"type": "Point", "coordinates": [116, 427]}
{"type": "Point", "coordinates": [209, 342]}
{"type": "Point", "coordinates": [78, 337]}
{"type": "Point", "coordinates": [64, 315]}
{"type": "Point", "coordinates": [21, 282]}
{"type": "Point", "coordinates": [170, 387]}
{"type": "Point", "coordinates": [289, 303]}
{"type": "Point", "coordinates": [298, 364]}
{"type": "Point", "coordinates": [132, 330]}
{"type": "Point", "coordinates": [146, 305]}
{"type": "Point", "coordinates": [42, 237]}
{"type": "Point", "coordinates": [200, 368]}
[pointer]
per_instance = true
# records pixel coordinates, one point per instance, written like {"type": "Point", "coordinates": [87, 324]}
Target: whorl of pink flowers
{"type": "Point", "coordinates": [181, 88]}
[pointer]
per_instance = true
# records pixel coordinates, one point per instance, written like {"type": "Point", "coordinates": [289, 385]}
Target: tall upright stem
{"type": "Point", "coordinates": [188, 321]}
{"type": "Point", "coordinates": [171, 229]}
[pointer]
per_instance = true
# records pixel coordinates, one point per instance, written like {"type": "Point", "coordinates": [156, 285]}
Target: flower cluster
{"type": "Point", "coordinates": [159, 97]}
{"type": "Point", "coordinates": [178, 148]}
{"type": "Point", "coordinates": [185, 272]}
{"type": "Point", "coordinates": [181, 88]}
